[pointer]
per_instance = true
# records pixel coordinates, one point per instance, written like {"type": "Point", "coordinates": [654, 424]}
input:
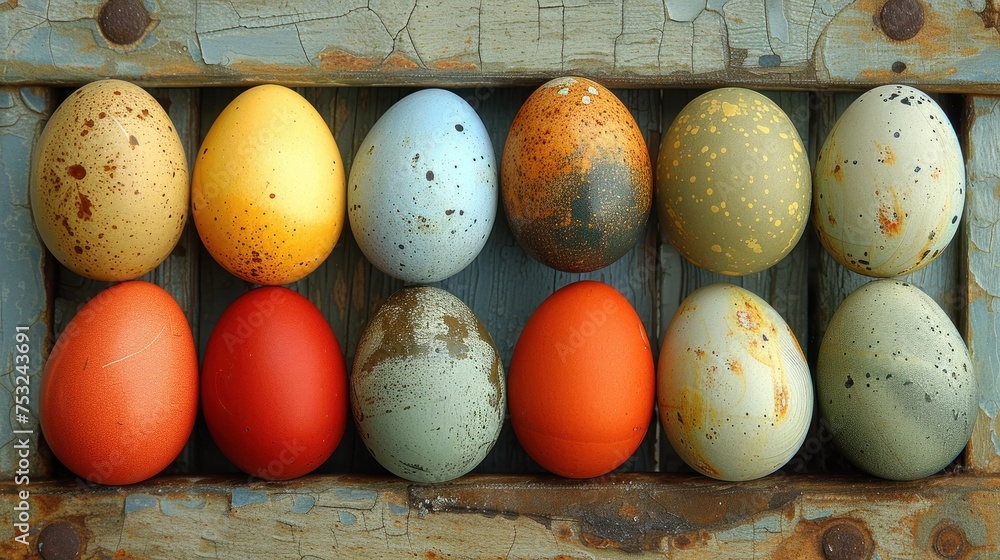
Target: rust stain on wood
{"type": "Point", "coordinates": [398, 61]}
{"type": "Point", "coordinates": [990, 15]}
{"type": "Point", "coordinates": [454, 65]}
{"type": "Point", "coordinates": [336, 59]}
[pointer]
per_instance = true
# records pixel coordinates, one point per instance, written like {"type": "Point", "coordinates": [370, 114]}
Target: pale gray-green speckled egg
{"type": "Point", "coordinates": [427, 388]}
{"type": "Point", "coordinates": [889, 183]}
{"type": "Point", "coordinates": [733, 182]}
{"type": "Point", "coordinates": [895, 382]}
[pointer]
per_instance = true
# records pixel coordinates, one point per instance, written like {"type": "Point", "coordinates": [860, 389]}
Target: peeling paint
{"type": "Point", "coordinates": [136, 502]}
{"type": "Point", "coordinates": [244, 497]}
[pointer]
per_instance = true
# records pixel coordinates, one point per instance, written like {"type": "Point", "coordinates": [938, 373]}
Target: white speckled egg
{"type": "Point", "coordinates": [427, 388]}
{"type": "Point", "coordinates": [732, 182]}
{"type": "Point", "coordinates": [733, 388]}
{"type": "Point", "coordinates": [109, 182]}
{"type": "Point", "coordinates": [422, 194]}
{"type": "Point", "coordinates": [895, 382]}
{"type": "Point", "coordinates": [889, 183]}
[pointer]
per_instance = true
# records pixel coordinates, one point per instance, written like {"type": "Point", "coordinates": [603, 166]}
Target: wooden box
{"type": "Point", "coordinates": [352, 61]}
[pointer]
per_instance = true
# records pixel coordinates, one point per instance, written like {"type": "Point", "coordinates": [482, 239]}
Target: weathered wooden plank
{"type": "Point", "coordinates": [26, 291]}
{"type": "Point", "coordinates": [982, 326]}
{"type": "Point", "coordinates": [617, 516]}
{"type": "Point", "coordinates": [764, 43]}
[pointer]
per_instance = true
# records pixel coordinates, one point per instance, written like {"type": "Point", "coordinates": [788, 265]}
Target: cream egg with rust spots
{"type": "Point", "coordinates": [733, 182]}
{"type": "Point", "coordinates": [889, 183]}
{"type": "Point", "coordinates": [733, 387]}
{"type": "Point", "coordinates": [109, 182]}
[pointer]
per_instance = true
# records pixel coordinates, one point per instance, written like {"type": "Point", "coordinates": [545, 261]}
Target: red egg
{"type": "Point", "coordinates": [582, 381]}
{"type": "Point", "coordinates": [274, 385]}
{"type": "Point", "coordinates": [119, 392]}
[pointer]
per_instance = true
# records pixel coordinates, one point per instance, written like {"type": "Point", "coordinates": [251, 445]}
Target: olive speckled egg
{"type": "Point", "coordinates": [889, 183]}
{"type": "Point", "coordinates": [267, 192]}
{"type": "Point", "coordinates": [423, 194]}
{"type": "Point", "coordinates": [427, 389]}
{"type": "Point", "coordinates": [895, 382]}
{"type": "Point", "coordinates": [733, 183]}
{"type": "Point", "coordinates": [576, 177]}
{"type": "Point", "coordinates": [109, 182]}
{"type": "Point", "coordinates": [733, 387]}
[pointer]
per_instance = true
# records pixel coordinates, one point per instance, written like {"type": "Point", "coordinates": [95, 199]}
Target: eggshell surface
{"type": "Point", "coordinates": [733, 387]}
{"type": "Point", "coordinates": [268, 191]}
{"type": "Point", "coordinates": [423, 188]}
{"type": "Point", "coordinates": [274, 385]}
{"type": "Point", "coordinates": [733, 183]}
{"type": "Point", "coordinates": [577, 184]}
{"type": "Point", "coordinates": [109, 182]}
{"type": "Point", "coordinates": [119, 392]}
{"type": "Point", "coordinates": [889, 183]}
{"type": "Point", "coordinates": [427, 390]}
{"type": "Point", "coordinates": [895, 382]}
{"type": "Point", "coordinates": [582, 381]}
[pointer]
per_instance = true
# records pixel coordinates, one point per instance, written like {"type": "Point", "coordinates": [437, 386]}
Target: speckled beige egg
{"type": "Point", "coordinates": [889, 183]}
{"type": "Point", "coordinates": [733, 388]}
{"type": "Point", "coordinates": [733, 183]}
{"type": "Point", "coordinates": [427, 389]}
{"type": "Point", "coordinates": [268, 191]}
{"type": "Point", "coordinates": [576, 180]}
{"type": "Point", "coordinates": [109, 182]}
{"type": "Point", "coordinates": [895, 382]}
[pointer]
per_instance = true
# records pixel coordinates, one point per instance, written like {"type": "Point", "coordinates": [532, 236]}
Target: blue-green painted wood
{"type": "Point", "coordinates": [26, 288]}
{"type": "Point", "coordinates": [776, 44]}
{"type": "Point", "coordinates": [982, 256]}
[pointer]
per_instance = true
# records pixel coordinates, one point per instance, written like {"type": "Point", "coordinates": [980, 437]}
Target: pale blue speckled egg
{"type": "Point", "coordinates": [422, 193]}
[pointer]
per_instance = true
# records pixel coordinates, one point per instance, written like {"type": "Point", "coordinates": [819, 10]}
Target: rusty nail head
{"type": "Point", "coordinates": [123, 22]}
{"type": "Point", "coordinates": [901, 20]}
{"type": "Point", "coordinates": [844, 541]}
{"type": "Point", "coordinates": [59, 541]}
{"type": "Point", "coordinates": [950, 542]}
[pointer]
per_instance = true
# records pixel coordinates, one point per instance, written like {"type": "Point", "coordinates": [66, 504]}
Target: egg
{"type": "Point", "coordinates": [895, 382]}
{"type": "Point", "coordinates": [733, 388]}
{"type": "Point", "coordinates": [576, 180]}
{"type": "Point", "coordinates": [274, 385]}
{"type": "Point", "coordinates": [268, 194]}
{"type": "Point", "coordinates": [733, 183]}
{"type": "Point", "coordinates": [427, 390]}
{"type": "Point", "coordinates": [109, 183]}
{"type": "Point", "coordinates": [423, 188]}
{"type": "Point", "coordinates": [119, 392]}
{"type": "Point", "coordinates": [582, 381]}
{"type": "Point", "coordinates": [890, 183]}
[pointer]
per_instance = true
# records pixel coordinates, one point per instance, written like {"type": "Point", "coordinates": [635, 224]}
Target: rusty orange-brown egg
{"type": "Point", "coordinates": [576, 178]}
{"type": "Point", "coordinates": [582, 382]}
{"type": "Point", "coordinates": [119, 392]}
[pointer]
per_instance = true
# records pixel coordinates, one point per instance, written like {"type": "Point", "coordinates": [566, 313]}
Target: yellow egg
{"type": "Point", "coordinates": [733, 182]}
{"type": "Point", "coordinates": [109, 182]}
{"type": "Point", "coordinates": [268, 194]}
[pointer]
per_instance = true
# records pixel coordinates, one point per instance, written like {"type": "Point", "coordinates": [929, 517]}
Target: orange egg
{"type": "Point", "coordinates": [582, 381]}
{"type": "Point", "coordinates": [576, 179]}
{"type": "Point", "coordinates": [119, 392]}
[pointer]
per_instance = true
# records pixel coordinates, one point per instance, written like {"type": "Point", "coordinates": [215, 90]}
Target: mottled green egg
{"type": "Point", "coordinates": [733, 182]}
{"type": "Point", "coordinates": [895, 382]}
{"type": "Point", "coordinates": [427, 387]}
